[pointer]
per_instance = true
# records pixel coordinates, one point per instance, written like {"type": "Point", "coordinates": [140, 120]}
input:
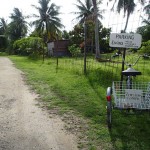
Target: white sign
{"type": "Point", "coordinates": [133, 96]}
{"type": "Point", "coordinates": [125, 40]}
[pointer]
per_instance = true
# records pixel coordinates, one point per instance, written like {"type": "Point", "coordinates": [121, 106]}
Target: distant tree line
{"type": "Point", "coordinates": [48, 27]}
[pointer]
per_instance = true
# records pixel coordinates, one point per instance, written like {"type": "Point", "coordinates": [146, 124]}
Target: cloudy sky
{"type": "Point", "coordinates": [111, 19]}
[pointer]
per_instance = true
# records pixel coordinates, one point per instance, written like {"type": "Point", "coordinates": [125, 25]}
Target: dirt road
{"type": "Point", "coordinates": [23, 125]}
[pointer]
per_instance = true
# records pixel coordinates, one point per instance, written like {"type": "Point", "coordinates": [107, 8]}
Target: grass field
{"type": "Point", "coordinates": [62, 84]}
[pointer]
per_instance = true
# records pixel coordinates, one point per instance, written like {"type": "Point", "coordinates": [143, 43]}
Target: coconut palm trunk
{"type": "Point", "coordinates": [127, 20]}
{"type": "Point", "coordinates": [85, 42]}
{"type": "Point", "coordinates": [97, 47]}
{"type": "Point", "coordinates": [97, 38]}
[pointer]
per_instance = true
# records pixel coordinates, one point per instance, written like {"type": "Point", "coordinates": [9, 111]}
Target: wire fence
{"type": "Point", "coordinates": [109, 65]}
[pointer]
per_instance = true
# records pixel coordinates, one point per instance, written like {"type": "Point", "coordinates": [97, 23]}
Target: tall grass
{"type": "Point", "coordinates": [62, 83]}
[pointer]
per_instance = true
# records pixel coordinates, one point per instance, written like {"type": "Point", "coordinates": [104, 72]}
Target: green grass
{"type": "Point", "coordinates": [64, 86]}
{"type": "Point", "coordinates": [3, 54]}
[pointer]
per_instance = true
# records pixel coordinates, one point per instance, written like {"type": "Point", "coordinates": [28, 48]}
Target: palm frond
{"type": "Point", "coordinates": [146, 22]}
{"type": "Point", "coordinates": [47, 20]}
{"type": "Point", "coordinates": [36, 7]}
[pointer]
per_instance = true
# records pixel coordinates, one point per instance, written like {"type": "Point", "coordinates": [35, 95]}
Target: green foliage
{"type": "Point", "coordinates": [145, 49]}
{"type": "Point", "coordinates": [145, 32]}
{"type": "Point", "coordinates": [76, 36]}
{"type": "Point", "coordinates": [74, 50]}
{"type": "Point", "coordinates": [3, 43]}
{"type": "Point", "coordinates": [3, 54]}
{"type": "Point", "coordinates": [84, 10]}
{"type": "Point", "coordinates": [18, 26]}
{"type": "Point", "coordinates": [65, 35]}
{"type": "Point", "coordinates": [104, 38]}
{"type": "Point", "coordinates": [47, 19]}
{"type": "Point", "coordinates": [3, 37]}
{"type": "Point", "coordinates": [32, 46]}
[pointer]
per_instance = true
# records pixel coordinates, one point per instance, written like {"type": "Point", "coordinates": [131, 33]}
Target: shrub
{"type": "Point", "coordinates": [74, 50]}
{"type": "Point", "coordinates": [145, 49]}
{"type": "Point", "coordinates": [31, 46]}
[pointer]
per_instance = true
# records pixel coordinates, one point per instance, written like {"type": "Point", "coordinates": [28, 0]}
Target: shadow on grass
{"type": "Point", "coordinates": [130, 132]}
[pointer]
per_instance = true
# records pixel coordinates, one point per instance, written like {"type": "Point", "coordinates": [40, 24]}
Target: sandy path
{"type": "Point", "coordinates": [23, 125]}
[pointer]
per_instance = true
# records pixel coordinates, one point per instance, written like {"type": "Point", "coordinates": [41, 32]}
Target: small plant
{"type": "Point", "coordinates": [74, 50]}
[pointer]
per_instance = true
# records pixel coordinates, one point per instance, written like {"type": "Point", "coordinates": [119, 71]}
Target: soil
{"type": "Point", "coordinates": [23, 124]}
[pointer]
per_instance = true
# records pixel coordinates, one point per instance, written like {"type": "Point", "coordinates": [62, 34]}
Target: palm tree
{"type": "Point", "coordinates": [145, 30]}
{"type": "Point", "coordinates": [48, 18]}
{"type": "Point", "coordinates": [96, 29]}
{"type": "Point", "coordinates": [3, 26]}
{"type": "Point", "coordinates": [3, 29]}
{"type": "Point", "coordinates": [147, 9]}
{"type": "Point", "coordinates": [18, 26]}
{"type": "Point", "coordinates": [87, 12]}
{"type": "Point", "coordinates": [128, 7]}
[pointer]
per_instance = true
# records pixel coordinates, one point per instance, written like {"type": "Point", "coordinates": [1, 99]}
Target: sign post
{"type": "Point", "coordinates": [125, 40]}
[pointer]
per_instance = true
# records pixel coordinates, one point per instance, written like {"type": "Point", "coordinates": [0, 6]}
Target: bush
{"type": "Point", "coordinates": [31, 46]}
{"type": "Point", "coordinates": [74, 50]}
{"type": "Point", "coordinates": [145, 49]}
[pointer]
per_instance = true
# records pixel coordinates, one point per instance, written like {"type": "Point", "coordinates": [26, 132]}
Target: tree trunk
{"type": "Point", "coordinates": [97, 38]}
{"type": "Point", "coordinates": [97, 47]}
{"type": "Point", "coordinates": [124, 51]}
{"type": "Point", "coordinates": [123, 61]}
{"type": "Point", "coordinates": [127, 20]}
{"type": "Point", "coordinates": [85, 43]}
